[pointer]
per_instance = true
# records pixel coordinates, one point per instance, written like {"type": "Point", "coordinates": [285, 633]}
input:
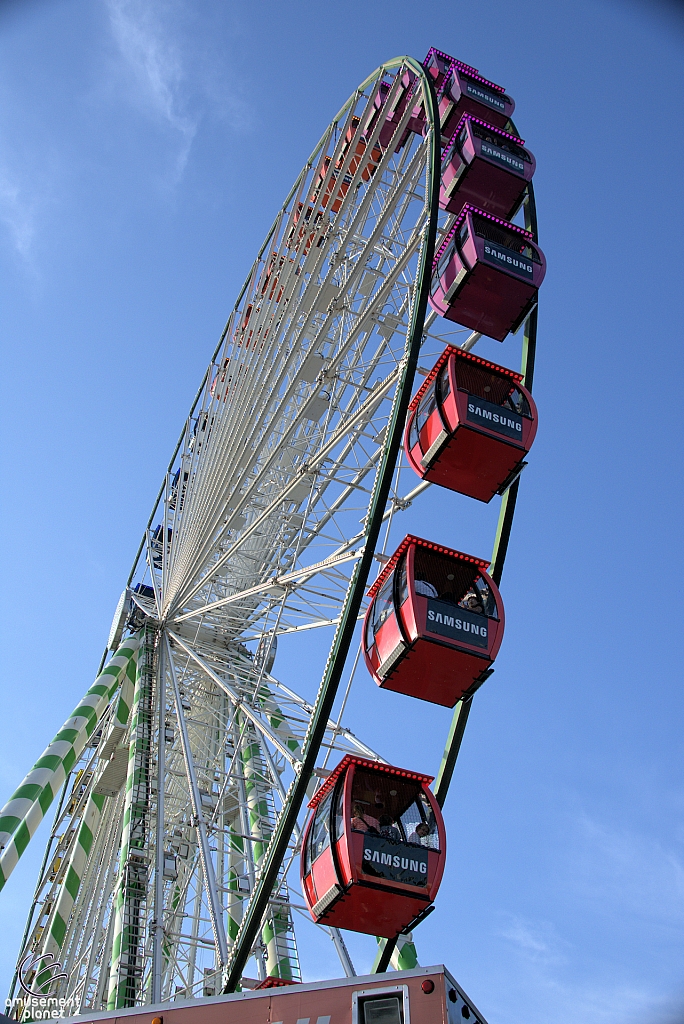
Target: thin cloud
{"type": "Point", "coordinates": [545, 984]}
{"type": "Point", "coordinates": [535, 941]}
{"type": "Point", "coordinates": [17, 214]}
{"type": "Point", "coordinates": [627, 871]}
{"type": "Point", "coordinates": [154, 61]}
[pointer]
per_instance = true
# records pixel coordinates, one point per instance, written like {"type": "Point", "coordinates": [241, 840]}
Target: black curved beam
{"type": "Point", "coordinates": [503, 531]}
{"type": "Point", "coordinates": [344, 635]}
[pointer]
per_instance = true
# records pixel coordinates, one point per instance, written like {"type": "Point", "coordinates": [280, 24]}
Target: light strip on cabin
{"type": "Point", "coordinates": [363, 762]}
{"type": "Point", "coordinates": [468, 208]}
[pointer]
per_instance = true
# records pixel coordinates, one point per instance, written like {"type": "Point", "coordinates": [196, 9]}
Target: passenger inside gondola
{"type": "Point", "coordinates": [416, 641]}
{"type": "Point", "coordinates": [410, 810]}
{"type": "Point", "coordinates": [421, 835]}
{"type": "Point", "coordinates": [470, 425]}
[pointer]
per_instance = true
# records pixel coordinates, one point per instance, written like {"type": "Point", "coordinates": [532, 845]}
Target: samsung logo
{"type": "Point", "coordinates": [496, 417]}
{"type": "Point", "coordinates": [451, 620]}
{"type": "Point", "coordinates": [503, 157]}
{"type": "Point", "coordinates": [517, 263]}
{"type": "Point", "coordinates": [394, 861]}
{"type": "Point", "coordinates": [486, 97]}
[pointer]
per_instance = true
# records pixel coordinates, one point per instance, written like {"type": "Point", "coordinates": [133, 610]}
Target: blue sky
{"type": "Point", "coordinates": [146, 147]}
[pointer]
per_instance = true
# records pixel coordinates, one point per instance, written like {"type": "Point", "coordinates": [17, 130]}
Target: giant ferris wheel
{"type": "Point", "coordinates": [182, 779]}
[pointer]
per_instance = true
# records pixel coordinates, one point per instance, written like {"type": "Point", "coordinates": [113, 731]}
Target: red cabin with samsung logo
{"type": "Point", "coordinates": [435, 623]}
{"type": "Point", "coordinates": [484, 166]}
{"type": "Point", "coordinates": [470, 425]}
{"type": "Point", "coordinates": [373, 850]}
{"type": "Point", "coordinates": [486, 273]}
{"type": "Point", "coordinates": [465, 91]}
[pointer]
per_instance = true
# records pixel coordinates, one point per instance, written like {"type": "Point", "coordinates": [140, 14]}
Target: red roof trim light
{"type": "Point", "coordinates": [364, 762]}
{"type": "Point", "coordinates": [469, 208]}
{"type": "Point", "coordinates": [419, 542]}
{"type": "Point", "coordinates": [485, 124]}
{"type": "Point", "coordinates": [460, 354]}
{"type": "Point", "coordinates": [415, 401]}
{"type": "Point", "coordinates": [465, 69]}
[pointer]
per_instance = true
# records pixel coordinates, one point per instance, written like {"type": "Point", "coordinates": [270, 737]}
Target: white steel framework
{"type": "Point", "coordinates": [262, 529]}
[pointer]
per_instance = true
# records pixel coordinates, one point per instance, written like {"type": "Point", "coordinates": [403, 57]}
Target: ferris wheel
{"type": "Point", "coordinates": [183, 778]}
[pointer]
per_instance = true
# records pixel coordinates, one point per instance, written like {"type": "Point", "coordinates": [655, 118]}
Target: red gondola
{"type": "Point", "coordinates": [465, 91]}
{"type": "Point", "coordinates": [485, 166]}
{"type": "Point", "coordinates": [435, 623]}
{"type": "Point", "coordinates": [486, 273]}
{"type": "Point", "coordinates": [470, 425]}
{"type": "Point", "coordinates": [374, 848]}
{"type": "Point", "coordinates": [367, 172]}
{"type": "Point", "coordinates": [406, 94]}
{"type": "Point", "coordinates": [312, 220]}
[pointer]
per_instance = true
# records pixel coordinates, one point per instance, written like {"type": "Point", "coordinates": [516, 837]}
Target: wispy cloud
{"type": "Point", "coordinates": [536, 941]}
{"type": "Point", "coordinates": [631, 872]}
{"type": "Point", "coordinates": [544, 978]}
{"type": "Point", "coordinates": [155, 65]}
{"type": "Point", "coordinates": [17, 212]}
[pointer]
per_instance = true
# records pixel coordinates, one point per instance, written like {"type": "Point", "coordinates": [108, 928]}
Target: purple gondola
{"type": "Point", "coordinates": [438, 65]}
{"type": "Point", "coordinates": [484, 166]}
{"type": "Point", "coordinates": [486, 274]}
{"type": "Point", "coordinates": [465, 91]}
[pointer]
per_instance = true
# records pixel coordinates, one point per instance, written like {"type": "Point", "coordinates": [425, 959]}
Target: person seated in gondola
{"type": "Point", "coordinates": [388, 830]}
{"type": "Point", "coordinates": [362, 822]}
{"type": "Point", "coordinates": [472, 601]}
{"type": "Point", "coordinates": [421, 835]}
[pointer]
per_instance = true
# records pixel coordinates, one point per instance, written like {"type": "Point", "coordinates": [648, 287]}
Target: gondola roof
{"type": "Point", "coordinates": [419, 542]}
{"type": "Point", "coordinates": [364, 762]}
{"type": "Point", "coordinates": [469, 208]}
{"type": "Point", "coordinates": [477, 360]}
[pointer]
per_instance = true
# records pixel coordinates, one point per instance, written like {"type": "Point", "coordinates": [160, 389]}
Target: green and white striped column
{"type": "Point", "coordinates": [23, 813]}
{"type": "Point", "coordinates": [87, 832]}
{"type": "Point", "coordinates": [404, 957]}
{"type": "Point", "coordinates": [236, 856]}
{"type": "Point", "coordinates": [131, 889]}
{"type": "Point", "coordinates": [90, 824]}
{"type": "Point", "coordinates": [277, 927]}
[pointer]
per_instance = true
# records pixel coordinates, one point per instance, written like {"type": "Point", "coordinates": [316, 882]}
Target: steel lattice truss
{"type": "Point", "coordinates": [260, 523]}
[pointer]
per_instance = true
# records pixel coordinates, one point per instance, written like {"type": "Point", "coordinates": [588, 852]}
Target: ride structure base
{"type": "Point", "coordinates": [424, 995]}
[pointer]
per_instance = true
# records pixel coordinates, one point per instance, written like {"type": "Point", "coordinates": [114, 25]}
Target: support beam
{"type": "Point", "coordinates": [246, 709]}
{"type": "Point", "coordinates": [453, 745]}
{"type": "Point", "coordinates": [213, 901]}
{"type": "Point", "coordinates": [158, 920]}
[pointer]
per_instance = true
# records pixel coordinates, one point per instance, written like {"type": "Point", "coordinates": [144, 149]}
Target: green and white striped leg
{"type": "Point", "coordinates": [26, 808]}
{"type": "Point", "coordinates": [131, 887]}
